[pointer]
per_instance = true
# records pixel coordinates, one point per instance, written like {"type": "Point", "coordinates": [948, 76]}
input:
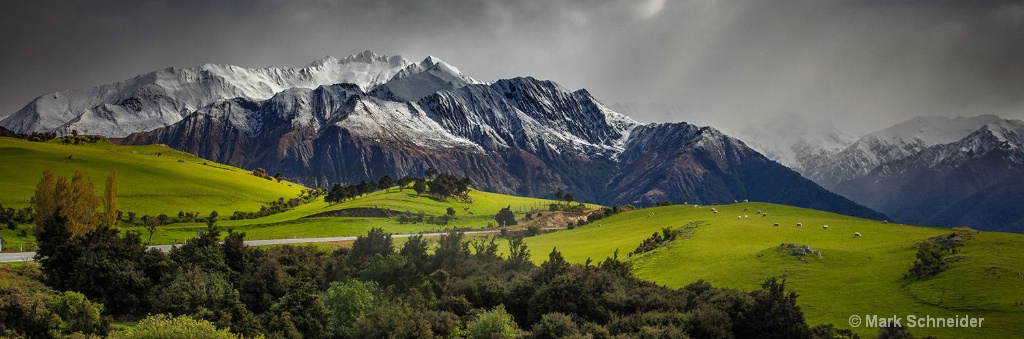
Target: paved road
{"type": "Point", "coordinates": [27, 256]}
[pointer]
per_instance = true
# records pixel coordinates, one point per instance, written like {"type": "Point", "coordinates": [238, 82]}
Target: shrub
{"type": "Point", "coordinates": [496, 323]}
{"type": "Point", "coordinates": [163, 326]}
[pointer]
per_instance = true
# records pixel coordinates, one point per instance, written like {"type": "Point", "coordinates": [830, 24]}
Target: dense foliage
{"type": "Point", "coordinates": [458, 288]}
{"type": "Point", "coordinates": [441, 187]}
{"type": "Point", "coordinates": [462, 289]}
{"type": "Point", "coordinates": [932, 253]}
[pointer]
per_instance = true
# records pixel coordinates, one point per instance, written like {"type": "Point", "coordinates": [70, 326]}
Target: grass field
{"type": "Point", "coordinates": [298, 223]}
{"type": "Point", "coordinates": [148, 184]}
{"type": "Point", "coordinates": [855, 276]}
{"type": "Point", "coordinates": [175, 181]}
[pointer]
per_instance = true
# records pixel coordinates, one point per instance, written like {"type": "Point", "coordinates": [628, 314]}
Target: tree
{"type": "Point", "coordinates": [451, 212]}
{"type": "Point", "coordinates": [150, 224]}
{"type": "Point", "coordinates": [430, 172]}
{"type": "Point", "coordinates": [420, 186]}
{"type": "Point", "coordinates": [301, 311]}
{"type": "Point", "coordinates": [774, 310]}
{"type": "Point", "coordinates": [569, 198]}
{"type": "Point", "coordinates": [262, 173]}
{"type": "Point", "coordinates": [63, 210]}
{"type": "Point", "coordinates": [375, 242]}
{"type": "Point", "coordinates": [386, 182]}
{"type": "Point", "coordinates": [496, 323]}
{"type": "Point", "coordinates": [405, 181]}
{"type": "Point", "coordinates": [110, 212]}
{"type": "Point", "coordinates": [79, 314]}
{"type": "Point", "coordinates": [505, 217]}
{"type": "Point", "coordinates": [336, 194]}
{"type": "Point", "coordinates": [555, 325]}
{"type": "Point", "coordinates": [559, 194]}
{"type": "Point", "coordinates": [348, 301]}
{"type": "Point", "coordinates": [279, 177]}
{"type": "Point", "coordinates": [164, 326]}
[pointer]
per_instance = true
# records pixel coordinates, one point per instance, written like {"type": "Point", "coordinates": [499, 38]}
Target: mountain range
{"type": "Point", "coordinates": [368, 115]}
{"type": "Point", "coordinates": [963, 171]}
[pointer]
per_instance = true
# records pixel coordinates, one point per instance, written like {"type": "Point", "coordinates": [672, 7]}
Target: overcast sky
{"type": "Point", "coordinates": [862, 64]}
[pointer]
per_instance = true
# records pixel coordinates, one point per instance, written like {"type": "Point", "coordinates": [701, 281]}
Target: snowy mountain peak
{"type": "Point", "coordinates": [368, 57]}
{"type": "Point", "coordinates": [427, 77]}
{"type": "Point", "coordinates": [894, 143]}
{"type": "Point", "coordinates": [164, 97]}
{"type": "Point", "coordinates": [931, 130]}
{"type": "Point", "coordinates": [326, 60]}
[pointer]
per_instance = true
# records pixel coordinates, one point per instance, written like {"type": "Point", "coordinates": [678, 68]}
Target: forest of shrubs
{"type": "Point", "coordinates": [463, 288]}
{"type": "Point", "coordinates": [90, 276]}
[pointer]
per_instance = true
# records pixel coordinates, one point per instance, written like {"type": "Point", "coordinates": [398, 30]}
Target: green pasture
{"type": "Point", "coordinates": [855, 276]}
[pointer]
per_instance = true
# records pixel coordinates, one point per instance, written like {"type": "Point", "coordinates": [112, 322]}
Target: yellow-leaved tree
{"type": "Point", "coordinates": [73, 203]}
{"type": "Point", "coordinates": [110, 200]}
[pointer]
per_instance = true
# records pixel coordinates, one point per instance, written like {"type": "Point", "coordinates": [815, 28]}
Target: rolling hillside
{"type": "Point", "coordinates": [855, 276]}
{"type": "Point", "coordinates": [152, 179]}
{"type": "Point", "coordinates": [315, 219]}
{"type": "Point", "coordinates": [157, 180]}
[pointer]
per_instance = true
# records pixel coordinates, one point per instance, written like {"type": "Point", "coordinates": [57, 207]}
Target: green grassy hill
{"type": "Point", "coordinates": [152, 179]}
{"type": "Point", "coordinates": [155, 180]}
{"type": "Point", "coordinates": [855, 276]}
{"type": "Point", "coordinates": [148, 184]}
{"type": "Point", "coordinates": [303, 222]}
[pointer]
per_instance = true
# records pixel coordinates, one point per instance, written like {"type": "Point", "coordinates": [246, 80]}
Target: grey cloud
{"type": "Point", "coordinates": [863, 64]}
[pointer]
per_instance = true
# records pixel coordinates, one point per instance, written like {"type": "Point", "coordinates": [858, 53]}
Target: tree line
{"type": "Point", "coordinates": [440, 185]}
{"type": "Point", "coordinates": [458, 287]}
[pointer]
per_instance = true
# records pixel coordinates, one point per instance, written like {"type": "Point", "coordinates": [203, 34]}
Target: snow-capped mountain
{"type": "Point", "coordinates": [164, 97]}
{"type": "Point", "coordinates": [891, 144]}
{"type": "Point", "coordinates": [974, 181]}
{"type": "Point", "coordinates": [793, 142]}
{"type": "Point", "coordinates": [522, 136]}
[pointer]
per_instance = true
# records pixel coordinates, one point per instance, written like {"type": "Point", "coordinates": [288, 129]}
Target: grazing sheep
{"type": "Point", "coordinates": [799, 224]}
{"type": "Point", "coordinates": [824, 227]}
{"type": "Point", "coordinates": [758, 211]}
{"type": "Point", "coordinates": [746, 216]}
{"type": "Point", "coordinates": [885, 221]}
{"type": "Point", "coordinates": [744, 209]}
{"type": "Point", "coordinates": [765, 214]}
{"type": "Point", "coordinates": [775, 225]}
{"type": "Point", "coordinates": [739, 217]}
{"type": "Point", "coordinates": [745, 200]}
{"type": "Point", "coordinates": [856, 234]}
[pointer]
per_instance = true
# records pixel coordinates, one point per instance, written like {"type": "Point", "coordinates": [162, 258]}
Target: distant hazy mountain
{"type": "Point", "coordinates": [891, 144]}
{"type": "Point", "coordinates": [367, 115]}
{"type": "Point", "coordinates": [796, 143]}
{"type": "Point", "coordinates": [975, 181]}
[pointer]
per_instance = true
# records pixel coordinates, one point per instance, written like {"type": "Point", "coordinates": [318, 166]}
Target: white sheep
{"type": "Point", "coordinates": [746, 216]}
{"type": "Point", "coordinates": [856, 234]}
{"type": "Point", "coordinates": [824, 227]}
{"type": "Point", "coordinates": [776, 225]}
{"type": "Point", "coordinates": [739, 217]}
{"type": "Point", "coordinates": [799, 224]}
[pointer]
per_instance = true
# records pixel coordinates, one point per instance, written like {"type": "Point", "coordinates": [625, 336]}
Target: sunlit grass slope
{"type": "Point", "coordinates": [148, 184]}
{"type": "Point", "coordinates": [855, 276]}
{"type": "Point", "coordinates": [304, 222]}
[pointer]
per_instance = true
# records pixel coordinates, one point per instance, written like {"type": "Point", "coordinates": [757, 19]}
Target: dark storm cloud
{"type": "Point", "coordinates": [863, 63]}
